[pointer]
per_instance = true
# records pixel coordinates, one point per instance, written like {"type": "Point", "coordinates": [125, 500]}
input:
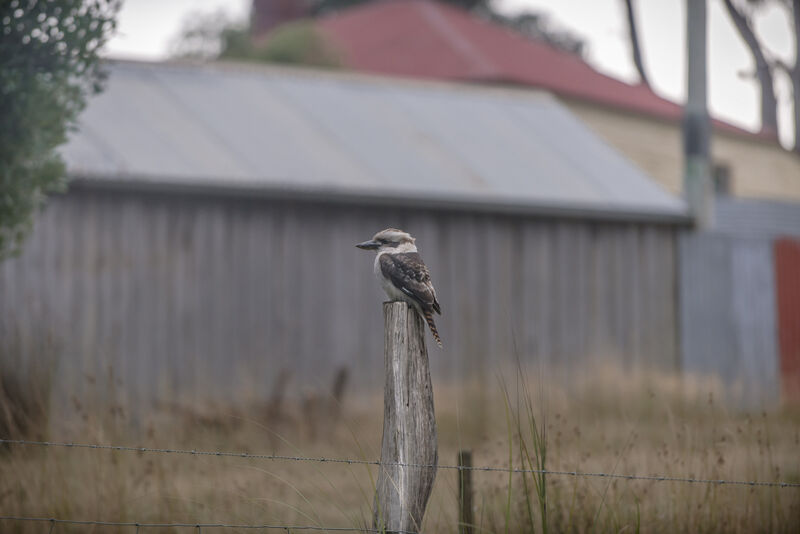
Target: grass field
{"type": "Point", "coordinates": [606, 422]}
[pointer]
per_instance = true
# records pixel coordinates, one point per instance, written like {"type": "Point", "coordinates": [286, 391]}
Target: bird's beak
{"type": "Point", "coordinates": [369, 245]}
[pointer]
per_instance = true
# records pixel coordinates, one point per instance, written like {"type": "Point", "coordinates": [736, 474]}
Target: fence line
{"type": "Point", "coordinates": [137, 525]}
{"type": "Point", "coordinates": [351, 461]}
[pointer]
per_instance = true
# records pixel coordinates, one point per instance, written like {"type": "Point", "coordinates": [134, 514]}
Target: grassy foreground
{"type": "Point", "coordinates": [610, 422]}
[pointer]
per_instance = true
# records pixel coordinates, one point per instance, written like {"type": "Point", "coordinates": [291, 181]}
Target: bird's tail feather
{"type": "Point", "coordinates": [429, 319]}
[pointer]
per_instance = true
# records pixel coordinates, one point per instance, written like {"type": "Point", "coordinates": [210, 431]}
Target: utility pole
{"type": "Point", "coordinates": [696, 124]}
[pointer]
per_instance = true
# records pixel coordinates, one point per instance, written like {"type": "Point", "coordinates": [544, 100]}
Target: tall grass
{"type": "Point", "coordinates": [25, 387]}
{"type": "Point", "coordinates": [643, 424]}
{"type": "Point", "coordinates": [606, 421]}
{"type": "Point", "coordinates": [530, 436]}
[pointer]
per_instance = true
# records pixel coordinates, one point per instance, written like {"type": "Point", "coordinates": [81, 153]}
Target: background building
{"type": "Point", "coordinates": [739, 299]}
{"type": "Point", "coordinates": [207, 240]}
{"type": "Point", "coordinates": [427, 39]}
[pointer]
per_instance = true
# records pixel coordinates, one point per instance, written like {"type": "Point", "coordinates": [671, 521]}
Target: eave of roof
{"type": "Point", "coordinates": [399, 199]}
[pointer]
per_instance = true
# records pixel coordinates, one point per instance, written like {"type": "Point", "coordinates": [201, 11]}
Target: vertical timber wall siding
{"type": "Point", "coordinates": [727, 310]}
{"type": "Point", "coordinates": [182, 296]}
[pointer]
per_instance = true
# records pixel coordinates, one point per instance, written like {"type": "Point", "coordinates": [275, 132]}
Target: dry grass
{"type": "Point", "coordinates": [24, 389]}
{"type": "Point", "coordinates": [609, 422]}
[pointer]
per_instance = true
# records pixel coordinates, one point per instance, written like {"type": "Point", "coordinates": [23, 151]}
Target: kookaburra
{"type": "Point", "coordinates": [403, 275]}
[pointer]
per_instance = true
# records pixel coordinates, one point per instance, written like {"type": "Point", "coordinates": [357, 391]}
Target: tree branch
{"type": "Point", "coordinates": [794, 75]}
{"type": "Point", "coordinates": [636, 49]}
{"type": "Point", "coordinates": [769, 104]}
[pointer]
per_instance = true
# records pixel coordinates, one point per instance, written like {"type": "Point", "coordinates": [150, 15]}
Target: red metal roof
{"type": "Point", "coordinates": [426, 39]}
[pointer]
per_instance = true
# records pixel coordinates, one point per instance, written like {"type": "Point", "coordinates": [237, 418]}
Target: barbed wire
{"type": "Point", "coordinates": [138, 525]}
{"type": "Point", "coordinates": [353, 461]}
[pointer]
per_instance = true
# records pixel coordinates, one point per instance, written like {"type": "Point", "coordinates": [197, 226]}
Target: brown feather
{"type": "Point", "coordinates": [409, 274]}
{"type": "Point", "coordinates": [432, 326]}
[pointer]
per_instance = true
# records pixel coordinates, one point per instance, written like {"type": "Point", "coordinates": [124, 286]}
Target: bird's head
{"type": "Point", "coordinates": [389, 238]}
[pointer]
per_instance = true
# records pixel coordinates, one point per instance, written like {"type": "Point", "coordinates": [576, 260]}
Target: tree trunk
{"type": "Point", "coordinates": [636, 48]}
{"type": "Point", "coordinates": [795, 74]}
{"type": "Point", "coordinates": [769, 104]}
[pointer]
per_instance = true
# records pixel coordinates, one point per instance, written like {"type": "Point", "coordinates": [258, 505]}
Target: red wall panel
{"type": "Point", "coordinates": [787, 288]}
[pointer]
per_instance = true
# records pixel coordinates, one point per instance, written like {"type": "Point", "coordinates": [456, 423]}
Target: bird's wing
{"type": "Point", "coordinates": [409, 274]}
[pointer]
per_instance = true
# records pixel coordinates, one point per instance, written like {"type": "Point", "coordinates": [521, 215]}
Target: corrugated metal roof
{"type": "Point", "coordinates": [284, 130]}
{"type": "Point", "coordinates": [450, 43]}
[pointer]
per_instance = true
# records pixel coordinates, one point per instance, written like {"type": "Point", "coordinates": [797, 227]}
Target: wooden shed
{"type": "Point", "coordinates": [207, 239]}
{"type": "Point", "coordinates": [738, 301]}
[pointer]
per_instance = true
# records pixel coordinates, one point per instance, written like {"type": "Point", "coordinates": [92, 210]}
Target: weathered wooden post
{"type": "Point", "coordinates": [466, 523]}
{"type": "Point", "coordinates": [408, 452]}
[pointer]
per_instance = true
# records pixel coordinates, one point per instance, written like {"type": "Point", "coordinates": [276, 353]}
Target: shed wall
{"type": "Point", "coordinates": [727, 310]}
{"type": "Point", "coordinates": [184, 297]}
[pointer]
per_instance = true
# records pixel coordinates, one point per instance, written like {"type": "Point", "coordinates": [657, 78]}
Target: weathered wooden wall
{"type": "Point", "coordinates": [194, 296]}
{"type": "Point", "coordinates": [728, 314]}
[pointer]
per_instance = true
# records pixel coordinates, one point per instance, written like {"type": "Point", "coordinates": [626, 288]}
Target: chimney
{"type": "Point", "coordinates": [267, 14]}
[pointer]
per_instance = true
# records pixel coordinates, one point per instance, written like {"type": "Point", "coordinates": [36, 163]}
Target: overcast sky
{"type": "Point", "coordinates": [146, 28]}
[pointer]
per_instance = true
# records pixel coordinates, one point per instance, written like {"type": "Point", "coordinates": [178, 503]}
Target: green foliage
{"type": "Point", "coordinates": [214, 36]}
{"type": "Point", "coordinates": [48, 66]}
{"type": "Point", "coordinates": [236, 42]}
{"type": "Point", "coordinates": [294, 43]}
{"type": "Point", "coordinates": [322, 6]}
{"type": "Point", "coordinates": [209, 35]}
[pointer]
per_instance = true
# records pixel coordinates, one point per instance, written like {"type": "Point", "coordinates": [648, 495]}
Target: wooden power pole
{"type": "Point", "coordinates": [408, 452]}
{"type": "Point", "coordinates": [696, 123]}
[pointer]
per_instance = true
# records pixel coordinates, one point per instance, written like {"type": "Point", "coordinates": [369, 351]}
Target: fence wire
{"type": "Point", "coordinates": [352, 461]}
{"type": "Point", "coordinates": [197, 526]}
